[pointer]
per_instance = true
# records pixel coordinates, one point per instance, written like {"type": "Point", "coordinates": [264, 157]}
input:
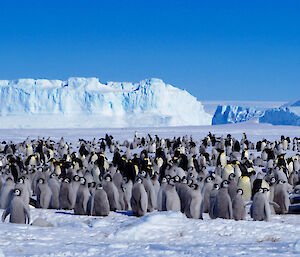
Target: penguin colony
{"type": "Point", "coordinates": [218, 176]}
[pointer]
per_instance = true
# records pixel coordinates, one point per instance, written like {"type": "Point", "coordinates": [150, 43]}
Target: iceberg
{"type": "Point", "coordinates": [88, 103]}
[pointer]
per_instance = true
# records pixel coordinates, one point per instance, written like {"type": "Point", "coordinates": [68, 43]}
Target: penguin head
{"type": "Point", "coordinates": [41, 181]}
{"type": "Point", "coordinates": [216, 186]}
{"type": "Point", "coordinates": [164, 180]}
{"type": "Point", "coordinates": [125, 179]}
{"type": "Point", "coordinates": [21, 180]}
{"type": "Point", "coordinates": [240, 191]}
{"type": "Point", "coordinates": [184, 180]}
{"type": "Point", "coordinates": [82, 181]}
{"type": "Point", "coordinates": [66, 180]}
{"type": "Point", "coordinates": [177, 179]}
{"type": "Point", "coordinates": [76, 178]}
{"type": "Point", "coordinates": [143, 173]}
{"type": "Point", "coordinates": [17, 192]}
{"type": "Point", "coordinates": [224, 183]}
{"type": "Point", "coordinates": [261, 190]}
{"type": "Point", "coordinates": [231, 176]}
{"type": "Point", "coordinates": [272, 180]}
{"type": "Point", "coordinates": [108, 177]}
{"type": "Point", "coordinates": [172, 182]}
{"type": "Point", "coordinates": [266, 190]}
{"type": "Point", "coordinates": [53, 175]}
{"type": "Point", "coordinates": [99, 187]}
{"type": "Point", "coordinates": [208, 179]}
{"type": "Point", "coordinates": [92, 185]}
{"type": "Point", "coordinates": [281, 182]}
{"type": "Point", "coordinates": [194, 186]}
{"type": "Point", "coordinates": [139, 180]}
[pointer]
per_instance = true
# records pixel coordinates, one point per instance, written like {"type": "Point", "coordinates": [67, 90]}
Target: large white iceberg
{"type": "Point", "coordinates": [87, 103]}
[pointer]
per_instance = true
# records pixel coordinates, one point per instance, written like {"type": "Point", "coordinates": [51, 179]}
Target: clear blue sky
{"type": "Point", "coordinates": [217, 50]}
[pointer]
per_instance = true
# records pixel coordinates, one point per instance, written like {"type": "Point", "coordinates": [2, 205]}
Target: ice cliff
{"type": "Point", "coordinates": [87, 103]}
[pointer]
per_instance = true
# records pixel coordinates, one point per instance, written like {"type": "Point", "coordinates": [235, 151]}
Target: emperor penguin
{"type": "Point", "coordinates": [212, 196]}
{"type": "Point", "coordinates": [127, 186]}
{"type": "Point", "coordinates": [222, 207]}
{"type": "Point", "coordinates": [182, 190]}
{"type": "Point", "coordinates": [22, 185]}
{"type": "Point", "coordinates": [194, 203]}
{"type": "Point", "coordinates": [99, 202]}
{"type": "Point", "coordinates": [7, 192]}
{"type": "Point", "coordinates": [245, 184]}
{"type": "Point", "coordinates": [152, 204]}
{"type": "Point", "coordinates": [139, 199]}
{"type": "Point", "coordinates": [44, 194]}
{"type": "Point", "coordinates": [161, 195]}
{"type": "Point", "coordinates": [76, 183]}
{"type": "Point", "coordinates": [54, 186]}
{"type": "Point", "coordinates": [112, 193]}
{"type": "Point", "coordinates": [18, 210]}
{"type": "Point", "coordinates": [281, 197]}
{"type": "Point", "coordinates": [232, 187]}
{"type": "Point", "coordinates": [172, 201]}
{"type": "Point", "coordinates": [83, 196]}
{"type": "Point", "coordinates": [260, 208]}
{"type": "Point", "coordinates": [208, 186]}
{"type": "Point", "coordinates": [238, 206]}
{"type": "Point", "coordinates": [67, 196]}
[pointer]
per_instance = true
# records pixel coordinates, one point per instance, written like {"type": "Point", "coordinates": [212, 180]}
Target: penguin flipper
{"type": "Point", "coordinates": [274, 204]}
{"type": "Point", "coordinates": [248, 203]}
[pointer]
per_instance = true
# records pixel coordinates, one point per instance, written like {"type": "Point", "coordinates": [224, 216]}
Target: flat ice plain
{"type": "Point", "coordinates": [157, 233]}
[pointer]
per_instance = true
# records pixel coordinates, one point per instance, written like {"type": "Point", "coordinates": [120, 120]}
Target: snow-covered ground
{"type": "Point", "coordinates": [157, 233]}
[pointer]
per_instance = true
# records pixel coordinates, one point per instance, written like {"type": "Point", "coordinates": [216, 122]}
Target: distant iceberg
{"type": "Point", "coordinates": [87, 103]}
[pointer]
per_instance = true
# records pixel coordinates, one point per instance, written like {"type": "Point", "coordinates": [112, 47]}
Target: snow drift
{"type": "Point", "coordinates": [87, 103]}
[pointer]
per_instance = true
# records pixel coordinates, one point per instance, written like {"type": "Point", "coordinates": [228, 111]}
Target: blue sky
{"type": "Point", "coordinates": [217, 50]}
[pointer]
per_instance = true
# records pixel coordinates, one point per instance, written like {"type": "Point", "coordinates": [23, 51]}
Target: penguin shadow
{"type": "Point", "coordinates": [64, 212]}
{"type": "Point", "coordinates": [127, 213]}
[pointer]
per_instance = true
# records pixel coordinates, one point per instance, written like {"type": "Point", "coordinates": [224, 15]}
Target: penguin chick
{"type": "Point", "coordinates": [99, 202]}
{"type": "Point", "coordinates": [83, 196]}
{"type": "Point", "coordinates": [194, 203]}
{"type": "Point", "coordinates": [238, 206]}
{"type": "Point", "coordinates": [139, 199]}
{"type": "Point", "coordinates": [19, 212]}
{"type": "Point", "coordinates": [44, 194]}
{"type": "Point", "coordinates": [222, 207]}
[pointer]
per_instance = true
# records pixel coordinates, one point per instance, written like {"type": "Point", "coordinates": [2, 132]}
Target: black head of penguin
{"type": "Point", "coordinates": [66, 180]}
{"type": "Point", "coordinates": [82, 181]}
{"type": "Point", "coordinates": [53, 175]}
{"type": "Point", "coordinates": [184, 180]}
{"type": "Point", "coordinates": [177, 179]}
{"type": "Point", "coordinates": [21, 180]}
{"type": "Point", "coordinates": [281, 182]}
{"type": "Point", "coordinates": [41, 181]}
{"type": "Point", "coordinates": [76, 178]}
{"type": "Point", "coordinates": [224, 184]}
{"type": "Point", "coordinates": [108, 177]}
{"type": "Point", "coordinates": [172, 182]}
{"type": "Point", "coordinates": [209, 179]}
{"type": "Point", "coordinates": [194, 186]}
{"type": "Point", "coordinates": [17, 192]}
{"type": "Point", "coordinates": [265, 190]}
{"type": "Point", "coordinates": [199, 179]}
{"type": "Point", "coordinates": [164, 180]}
{"type": "Point", "coordinates": [240, 191]}
{"type": "Point", "coordinates": [216, 186]}
{"type": "Point", "coordinates": [99, 187]}
{"type": "Point", "coordinates": [92, 185]}
{"type": "Point", "coordinates": [231, 176]}
{"type": "Point", "coordinates": [272, 181]}
{"type": "Point", "coordinates": [139, 180]}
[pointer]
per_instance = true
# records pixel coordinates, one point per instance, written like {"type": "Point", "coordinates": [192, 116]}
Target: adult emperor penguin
{"type": "Point", "coordinates": [19, 212]}
{"type": "Point", "coordinates": [194, 203]}
{"type": "Point", "coordinates": [67, 195]}
{"type": "Point", "coordinates": [44, 194]}
{"type": "Point", "coordinates": [83, 196]}
{"type": "Point", "coordinates": [245, 184]}
{"type": "Point", "coordinates": [139, 199]}
{"type": "Point", "coordinates": [99, 202]}
{"type": "Point", "coordinates": [238, 206]}
{"type": "Point", "coordinates": [222, 207]}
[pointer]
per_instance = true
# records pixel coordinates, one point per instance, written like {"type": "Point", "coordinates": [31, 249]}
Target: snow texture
{"type": "Point", "coordinates": [85, 102]}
